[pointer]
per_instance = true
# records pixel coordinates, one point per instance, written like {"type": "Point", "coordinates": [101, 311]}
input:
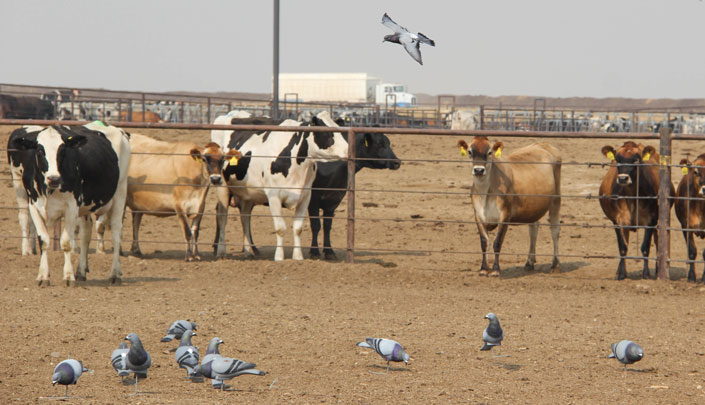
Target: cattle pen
{"type": "Point", "coordinates": [665, 138]}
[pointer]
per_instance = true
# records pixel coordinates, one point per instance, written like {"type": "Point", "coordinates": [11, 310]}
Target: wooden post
{"type": "Point", "coordinates": [350, 257]}
{"type": "Point", "coordinates": [664, 205]}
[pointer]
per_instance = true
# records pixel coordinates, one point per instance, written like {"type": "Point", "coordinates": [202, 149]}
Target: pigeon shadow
{"type": "Point", "coordinates": [519, 271]}
{"type": "Point", "coordinates": [642, 370]}
{"type": "Point", "coordinates": [390, 368]}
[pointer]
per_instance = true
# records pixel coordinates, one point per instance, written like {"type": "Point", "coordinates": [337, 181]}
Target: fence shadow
{"type": "Point", "coordinates": [545, 268]}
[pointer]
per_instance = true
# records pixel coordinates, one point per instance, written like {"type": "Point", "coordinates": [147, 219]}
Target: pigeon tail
{"type": "Point", "coordinates": [250, 371]}
{"type": "Point", "coordinates": [486, 347]}
{"type": "Point", "coordinates": [364, 344]}
{"type": "Point", "coordinates": [168, 338]}
{"type": "Point", "coordinates": [611, 356]}
{"type": "Point", "coordinates": [426, 40]}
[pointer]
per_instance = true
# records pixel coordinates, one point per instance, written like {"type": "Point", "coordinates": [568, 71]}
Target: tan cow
{"type": "Point", "coordinates": [510, 189]}
{"type": "Point", "coordinates": [173, 178]}
{"type": "Point", "coordinates": [690, 208]}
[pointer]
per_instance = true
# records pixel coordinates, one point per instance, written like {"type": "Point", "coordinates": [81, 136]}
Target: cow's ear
{"type": "Point", "coordinates": [497, 148]}
{"type": "Point", "coordinates": [196, 154]}
{"type": "Point", "coordinates": [75, 141]}
{"type": "Point", "coordinates": [608, 151]}
{"type": "Point", "coordinates": [463, 147]}
{"type": "Point", "coordinates": [233, 157]}
{"type": "Point", "coordinates": [317, 122]}
{"type": "Point", "coordinates": [647, 153]}
{"type": "Point", "coordinates": [340, 122]}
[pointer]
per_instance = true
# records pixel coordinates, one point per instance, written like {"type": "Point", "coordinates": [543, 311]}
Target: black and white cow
{"type": "Point", "coordinates": [276, 169]}
{"type": "Point", "coordinates": [73, 172]}
{"type": "Point", "coordinates": [329, 186]}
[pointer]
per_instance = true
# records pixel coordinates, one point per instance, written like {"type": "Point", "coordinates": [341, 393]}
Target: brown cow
{"type": "Point", "coordinates": [139, 116]}
{"type": "Point", "coordinates": [173, 178]}
{"type": "Point", "coordinates": [626, 180]}
{"type": "Point", "coordinates": [690, 208]}
{"type": "Point", "coordinates": [504, 193]}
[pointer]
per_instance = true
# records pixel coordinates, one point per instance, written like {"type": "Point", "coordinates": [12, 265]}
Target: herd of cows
{"type": "Point", "coordinates": [96, 170]}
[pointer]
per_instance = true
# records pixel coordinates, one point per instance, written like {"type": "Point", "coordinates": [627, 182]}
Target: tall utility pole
{"type": "Point", "coordinates": [275, 68]}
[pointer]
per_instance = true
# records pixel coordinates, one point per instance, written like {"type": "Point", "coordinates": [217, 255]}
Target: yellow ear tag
{"type": "Point", "coordinates": [610, 155]}
{"type": "Point", "coordinates": [366, 145]}
{"type": "Point", "coordinates": [463, 152]}
{"type": "Point", "coordinates": [70, 137]}
{"type": "Point", "coordinates": [194, 158]}
{"type": "Point", "coordinates": [498, 153]}
{"type": "Point", "coordinates": [646, 157]}
{"type": "Point", "coordinates": [685, 171]}
{"type": "Point", "coordinates": [233, 161]}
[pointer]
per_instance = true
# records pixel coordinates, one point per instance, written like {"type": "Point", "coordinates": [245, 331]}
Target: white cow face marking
{"type": "Point", "coordinates": [49, 141]}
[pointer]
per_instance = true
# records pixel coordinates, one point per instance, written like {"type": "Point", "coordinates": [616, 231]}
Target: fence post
{"type": "Point", "coordinates": [350, 257]}
{"type": "Point", "coordinates": [482, 117]}
{"type": "Point", "coordinates": [664, 205]}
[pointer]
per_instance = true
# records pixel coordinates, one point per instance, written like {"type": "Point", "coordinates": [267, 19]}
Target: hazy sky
{"type": "Point", "coordinates": [562, 48]}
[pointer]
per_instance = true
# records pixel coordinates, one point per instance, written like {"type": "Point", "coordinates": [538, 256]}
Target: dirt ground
{"type": "Point", "coordinates": [299, 321]}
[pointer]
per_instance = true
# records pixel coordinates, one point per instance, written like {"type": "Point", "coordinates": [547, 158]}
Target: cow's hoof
{"type": "Point", "coordinates": [494, 273]}
{"type": "Point", "coordinates": [314, 254]}
{"type": "Point", "coordinates": [483, 273]}
{"type": "Point", "coordinates": [81, 277]}
{"type": "Point", "coordinates": [70, 283]}
{"type": "Point", "coordinates": [136, 253]}
{"type": "Point", "coordinates": [529, 266]}
{"type": "Point", "coordinates": [620, 277]}
{"type": "Point", "coordinates": [330, 255]}
{"type": "Point", "coordinates": [43, 283]}
{"type": "Point", "coordinates": [115, 280]}
{"type": "Point", "coordinates": [556, 269]}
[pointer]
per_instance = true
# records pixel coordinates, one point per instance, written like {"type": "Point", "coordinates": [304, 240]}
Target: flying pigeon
{"type": "Point", "coordinates": [137, 360]}
{"type": "Point", "coordinates": [388, 349]}
{"type": "Point", "coordinates": [66, 373]}
{"type": "Point", "coordinates": [212, 353]}
{"type": "Point", "coordinates": [186, 354]}
{"type": "Point", "coordinates": [627, 352]}
{"type": "Point", "coordinates": [224, 368]}
{"type": "Point", "coordinates": [177, 329]}
{"type": "Point", "coordinates": [410, 41]}
{"type": "Point", "coordinates": [117, 358]}
{"type": "Point", "coordinates": [493, 334]}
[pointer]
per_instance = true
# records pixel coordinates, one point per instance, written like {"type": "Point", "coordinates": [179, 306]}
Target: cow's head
{"type": "Point", "coordinates": [375, 151]}
{"type": "Point", "coordinates": [628, 158]}
{"type": "Point", "coordinates": [326, 145]}
{"type": "Point", "coordinates": [481, 154]}
{"type": "Point", "coordinates": [697, 170]}
{"type": "Point", "coordinates": [213, 161]}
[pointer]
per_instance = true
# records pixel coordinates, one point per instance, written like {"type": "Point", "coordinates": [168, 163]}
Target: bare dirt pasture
{"type": "Point", "coordinates": [299, 321]}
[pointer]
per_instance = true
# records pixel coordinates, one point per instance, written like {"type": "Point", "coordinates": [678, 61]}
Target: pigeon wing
{"type": "Point", "coordinates": [426, 40]}
{"type": "Point", "coordinates": [412, 47]}
{"type": "Point", "coordinates": [186, 356]}
{"type": "Point", "coordinates": [389, 23]}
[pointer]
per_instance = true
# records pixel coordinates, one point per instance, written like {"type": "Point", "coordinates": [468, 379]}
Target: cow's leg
{"type": "Point", "coordinates": [498, 241]}
{"type": "Point", "coordinates": [100, 233]}
{"type": "Point", "coordinates": [117, 212]}
{"type": "Point", "coordinates": [622, 241]}
{"type": "Point", "coordinates": [297, 224]}
{"type": "Point", "coordinates": [315, 221]}
{"type": "Point", "coordinates": [275, 207]}
{"type": "Point", "coordinates": [554, 216]}
{"type": "Point", "coordinates": [221, 219]}
{"type": "Point", "coordinates": [42, 225]}
{"type": "Point", "coordinates": [533, 233]}
{"type": "Point", "coordinates": [692, 253]}
{"type": "Point", "coordinates": [248, 245]}
{"type": "Point", "coordinates": [67, 240]}
{"type": "Point", "coordinates": [196, 225]}
{"type": "Point", "coordinates": [484, 237]}
{"type": "Point", "coordinates": [136, 221]}
{"type": "Point", "coordinates": [703, 276]}
{"type": "Point", "coordinates": [29, 243]}
{"type": "Point", "coordinates": [85, 229]}
{"type": "Point", "coordinates": [645, 249]}
{"type": "Point", "coordinates": [328, 251]}
{"type": "Point", "coordinates": [186, 229]}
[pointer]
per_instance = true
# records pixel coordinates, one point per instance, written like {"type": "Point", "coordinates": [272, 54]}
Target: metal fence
{"type": "Point", "coordinates": [665, 138]}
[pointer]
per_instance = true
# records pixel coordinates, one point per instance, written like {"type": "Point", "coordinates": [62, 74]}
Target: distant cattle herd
{"type": "Point", "coordinates": [81, 172]}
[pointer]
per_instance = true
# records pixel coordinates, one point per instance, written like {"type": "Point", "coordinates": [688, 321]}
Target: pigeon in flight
{"type": "Point", "coordinates": [186, 354]}
{"type": "Point", "coordinates": [388, 349]}
{"type": "Point", "coordinates": [410, 41]}
{"type": "Point", "coordinates": [117, 358]}
{"type": "Point", "coordinates": [177, 329]}
{"type": "Point", "coordinates": [224, 368]}
{"type": "Point", "coordinates": [627, 352]}
{"type": "Point", "coordinates": [67, 373]}
{"type": "Point", "coordinates": [493, 334]}
{"type": "Point", "coordinates": [137, 360]}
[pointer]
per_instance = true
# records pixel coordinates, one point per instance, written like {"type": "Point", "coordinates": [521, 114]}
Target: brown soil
{"type": "Point", "coordinates": [299, 321]}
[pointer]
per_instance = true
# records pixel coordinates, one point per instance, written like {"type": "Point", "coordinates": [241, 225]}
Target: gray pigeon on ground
{"type": "Point", "coordinates": [137, 360]}
{"type": "Point", "coordinates": [410, 41]}
{"type": "Point", "coordinates": [67, 373]}
{"type": "Point", "coordinates": [627, 352]}
{"type": "Point", "coordinates": [211, 353]}
{"type": "Point", "coordinates": [493, 334]}
{"type": "Point", "coordinates": [224, 368]}
{"type": "Point", "coordinates": [117, 359]}
{"type": "Point", "coordinates": [177, 329]}
{"type": "Point", "coordinates": [390, 350]}
{"type": "Point", "coordinates": [186, 354]}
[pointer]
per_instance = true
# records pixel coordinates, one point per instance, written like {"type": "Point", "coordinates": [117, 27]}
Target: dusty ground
{"type": "Point", "coordinates": [299, 321]}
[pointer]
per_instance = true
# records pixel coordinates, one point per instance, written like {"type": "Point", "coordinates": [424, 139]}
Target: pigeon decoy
{"type": "Point", "coordinates": [410, 41]}
{"type": "Point", "coordinates": [137, 360]}
{"type": "Point", "coordinates": [186, 354]}
{"type": "Point", "coordinates": [390, 350]}
{"type": "Point", "coordinates": [627, 352]}
{"type": "Point", "coordinates": [493, 334]}
{"type": "Point", "coordinates": [224, 368]}
{"type": "Point", "coordinates": [177, 329]}
{"type": "Point", "coordinates": [211, 353]}
{"type": "Point", "coordinates": [67, 373]}
{"type": "Point", "coordinates": [117, 359]}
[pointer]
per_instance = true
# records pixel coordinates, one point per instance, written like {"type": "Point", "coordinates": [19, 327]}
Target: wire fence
{"type": "Point", "coordinates": [662, 229]}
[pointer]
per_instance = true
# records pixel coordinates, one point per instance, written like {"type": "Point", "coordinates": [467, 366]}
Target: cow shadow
{"type": "Point", "coordinates": [518, 271]}
{"type": "Point", "coordinates": [674, 273]}
{"type": "Point", "coordinates": [127, 281]}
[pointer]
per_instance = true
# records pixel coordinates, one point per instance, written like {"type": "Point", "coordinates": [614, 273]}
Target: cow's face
{"type": "Point", "coordinates": [628, 158]}
{"type": "Point", "coordinates": [51, 149]}
{"type": "Point", "coordinates": [697, 170]}
{"type": "Point", "coordinates": [377, 148]}
{"type": "Point", "coordinates": [481, 154]}
{"type": "Point", "coordinates": [213, 161]}
{"type": "Point", "coordinates": [326, 145]}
